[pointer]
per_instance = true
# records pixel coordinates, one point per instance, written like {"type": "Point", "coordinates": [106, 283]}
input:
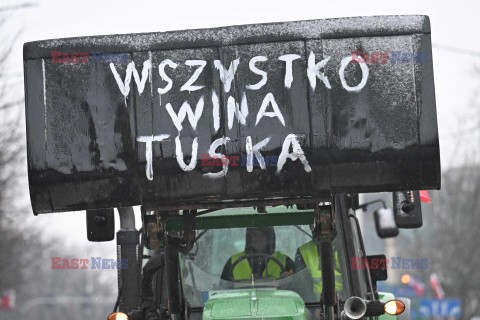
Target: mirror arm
{"type": "Point", "coordinates": [365, 205]}
{"type": "Point", "coordinates": [364, 256]}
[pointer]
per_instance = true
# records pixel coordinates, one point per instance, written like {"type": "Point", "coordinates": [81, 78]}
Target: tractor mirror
{"type": "Point", "coordinates": [100, 225]}
{"type": "Point", "coordinates": [385, 223]}
{"type": "Point", "coordinates": [407, 209]}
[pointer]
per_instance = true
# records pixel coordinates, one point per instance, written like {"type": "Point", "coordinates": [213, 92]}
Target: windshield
{"type": "Point", "coordinates": [207, 268]}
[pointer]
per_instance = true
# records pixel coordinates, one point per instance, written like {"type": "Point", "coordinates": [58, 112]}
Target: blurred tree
{"type": "Point", "coordinates": [13, 240]}
{"type": "Point", "coordinates": [450, 235]}
{"type": "Point", "coordinates": [25, 259]}
{"type": "Point", "coordinates": [453, 254]}
{"type": "Point", "coordinates": [74, 294]}
{"type": "Point", "coordinates": [456, 219]}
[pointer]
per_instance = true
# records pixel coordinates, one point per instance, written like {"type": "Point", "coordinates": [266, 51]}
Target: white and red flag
{"type": "Point", "coordinates": [417, 285]}
{"type": "Point", "coordinates": [435, 283]}
{"type": "Point", "coordinates": [424, 196]}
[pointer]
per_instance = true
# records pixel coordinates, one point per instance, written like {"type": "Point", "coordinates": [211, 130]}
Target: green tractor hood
{"type": "Point", "coordinates": [255, 304]}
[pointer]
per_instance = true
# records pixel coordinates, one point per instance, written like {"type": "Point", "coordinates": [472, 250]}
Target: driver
{"type": "Point", "coordinates": [260, 243]}
{"type": "Point", "coordinates": [307, 257]}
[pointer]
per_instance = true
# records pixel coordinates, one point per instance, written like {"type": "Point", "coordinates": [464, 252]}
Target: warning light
{"type": "Point", "coordinates": [394, 307]}
{"type": "Point", "coordinates": [118, 316]}
{"type": "Point", "coordinates": [405, 279]}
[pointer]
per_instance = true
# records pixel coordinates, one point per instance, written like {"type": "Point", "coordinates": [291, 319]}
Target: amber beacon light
{"type": "Point", "coordinates": [118, 316]}
{"type": "Point", "coordinates": [394, 307]}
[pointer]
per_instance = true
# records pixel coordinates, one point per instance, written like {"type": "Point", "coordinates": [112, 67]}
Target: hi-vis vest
{"type": "Point", "coordinates": [243, 271]}
{"type": "Point", "coordinates": [309, 253]}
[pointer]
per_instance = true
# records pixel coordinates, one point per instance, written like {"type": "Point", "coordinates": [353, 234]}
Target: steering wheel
{"type": "Point", "coordinates": [268, 256]}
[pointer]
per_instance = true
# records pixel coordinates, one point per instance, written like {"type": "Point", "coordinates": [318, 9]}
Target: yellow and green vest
{"type": "Point", "coordinates": [243, 271]}
{"type": "Point", "coordinates": [309, 253]}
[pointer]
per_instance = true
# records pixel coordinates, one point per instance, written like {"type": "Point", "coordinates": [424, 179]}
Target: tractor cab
{"type": "Point", "coordinates": [220, 261]}
{"type": "Point", "coordinates": [216, 265]}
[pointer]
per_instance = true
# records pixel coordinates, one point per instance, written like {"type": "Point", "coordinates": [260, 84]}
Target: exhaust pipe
{"type": "Point", "coordinates": [354, 308]}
